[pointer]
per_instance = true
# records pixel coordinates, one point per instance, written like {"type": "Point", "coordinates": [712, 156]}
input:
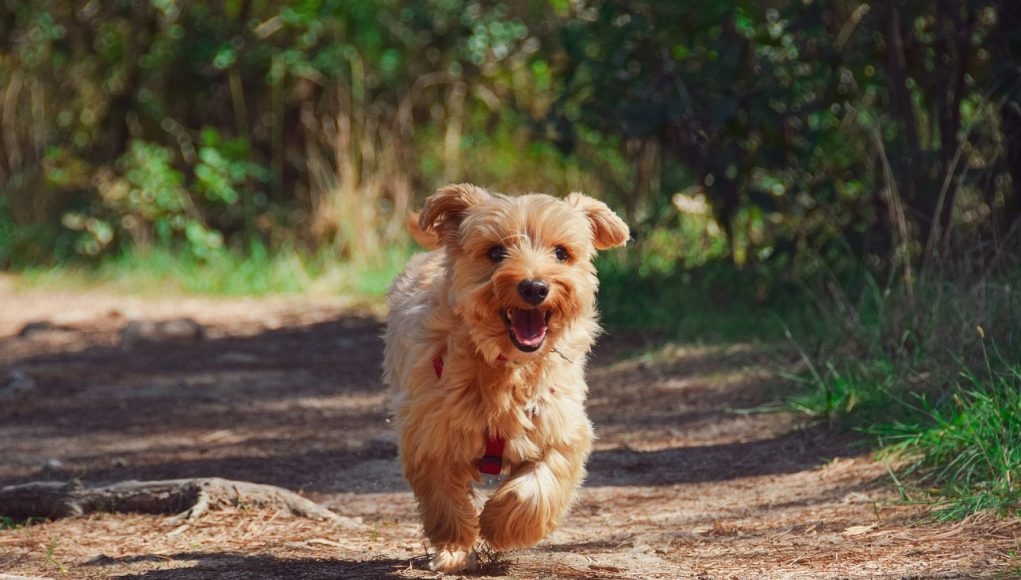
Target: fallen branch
{"type": "Point", "coordinates": [189, 499]}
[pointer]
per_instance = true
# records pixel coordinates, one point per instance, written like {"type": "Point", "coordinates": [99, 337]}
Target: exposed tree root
{"type": "Point", "coordinates": [187, 498]}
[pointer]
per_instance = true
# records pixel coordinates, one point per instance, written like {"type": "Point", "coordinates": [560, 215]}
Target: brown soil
{"type": "Point", "coordinates": [287, 392]}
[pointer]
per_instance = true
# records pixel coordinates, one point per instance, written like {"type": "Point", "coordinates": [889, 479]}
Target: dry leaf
{"type": "Point", "coordinates": [858, 530]}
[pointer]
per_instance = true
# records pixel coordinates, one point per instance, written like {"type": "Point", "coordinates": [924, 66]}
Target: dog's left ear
{"type": "Point", "coordinates": [444, 210]}
{"type": "Point", "coordinates": [610, 231]}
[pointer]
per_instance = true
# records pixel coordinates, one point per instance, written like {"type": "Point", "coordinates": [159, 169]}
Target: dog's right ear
{"type": "Point", "coordinates": [444, 210]}
{"type": "Point", "coordinates": [608, 229]}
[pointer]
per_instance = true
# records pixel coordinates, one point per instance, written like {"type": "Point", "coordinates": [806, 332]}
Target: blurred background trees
{"type": "Point", "coordinates": [790, 134]}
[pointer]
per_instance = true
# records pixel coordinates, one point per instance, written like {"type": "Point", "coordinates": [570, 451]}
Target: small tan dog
{"type": "Point", "coordinates": [485, 345]}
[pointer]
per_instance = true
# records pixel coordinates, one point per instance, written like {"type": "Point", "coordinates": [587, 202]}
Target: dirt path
{"type": "Point", "coordinates": [287, 392]}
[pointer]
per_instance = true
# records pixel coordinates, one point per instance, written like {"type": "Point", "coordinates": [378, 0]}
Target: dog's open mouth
{"type": "Point", "coordinates": [527, 327]}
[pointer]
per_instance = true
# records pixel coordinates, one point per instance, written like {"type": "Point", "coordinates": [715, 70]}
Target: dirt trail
{"type": "Point", "coordinates": [287, 392]}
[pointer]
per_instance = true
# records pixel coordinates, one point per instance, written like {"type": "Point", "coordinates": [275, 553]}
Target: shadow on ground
{"type": "Point", "coordinates": [788, 453]}
{"type": "Point", "coordinates": [251, 567]}
{"type": "Point", "coordinates": [304, 408]}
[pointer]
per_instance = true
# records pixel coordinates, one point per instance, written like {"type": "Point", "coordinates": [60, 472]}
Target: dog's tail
{"type": "Point", "coordinates": [428, 240]}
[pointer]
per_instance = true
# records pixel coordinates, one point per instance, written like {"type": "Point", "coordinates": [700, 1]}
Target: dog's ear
{"type": "Point", "coordinates": [428, 240]}
{"type": "Point", "coordinates": [609, 230]}
{"type": "Point", "coordinates": [444, 210]}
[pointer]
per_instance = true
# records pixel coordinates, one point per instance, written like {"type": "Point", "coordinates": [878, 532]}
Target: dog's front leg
{"type": "Point", "coordinates": [449, 517]}
{"type": "Point", "coordinates": [536, 495]}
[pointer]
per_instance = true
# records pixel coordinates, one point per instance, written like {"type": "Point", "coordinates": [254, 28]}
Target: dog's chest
{"type": "Point", "coordinates": [527, 402]}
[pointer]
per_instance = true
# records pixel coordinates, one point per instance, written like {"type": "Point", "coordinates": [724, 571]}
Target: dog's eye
{"type": "Point", "coordinates": [497, 253]}
{"type": "Point", "coordinates": [561, 253]}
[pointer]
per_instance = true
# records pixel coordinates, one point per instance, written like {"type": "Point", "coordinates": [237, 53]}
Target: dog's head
{"type": "Point", "coordinates": [520, 267]}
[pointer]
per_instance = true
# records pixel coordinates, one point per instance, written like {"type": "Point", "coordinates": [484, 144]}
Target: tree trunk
{"type": "Point", "coordinates": [952, 53]}
{"type": "Point", "coordinates": [907, 166]}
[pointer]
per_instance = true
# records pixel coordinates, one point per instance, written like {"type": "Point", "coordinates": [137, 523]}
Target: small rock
{"type": "Point", "coordinates": [178, 330]}
{"type": "Point", "coordinates": [51, 469]}
{"type": "Point", "coordinates": [17, 383]}
{"type": "Point", "coordinates": [52, 465]}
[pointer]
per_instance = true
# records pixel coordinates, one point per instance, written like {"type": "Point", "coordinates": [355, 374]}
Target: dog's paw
{"type": "Point", "coordinates": [448, 561]}
{"type": "Point", "coordinates": [508, 522]}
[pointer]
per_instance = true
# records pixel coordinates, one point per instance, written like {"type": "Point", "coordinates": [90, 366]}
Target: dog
{"type": "Point", "coordinates": [486, 342]}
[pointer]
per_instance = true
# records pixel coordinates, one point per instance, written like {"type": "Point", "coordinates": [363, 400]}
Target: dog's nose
{"type": "Point", "coordinates": [533, 291]}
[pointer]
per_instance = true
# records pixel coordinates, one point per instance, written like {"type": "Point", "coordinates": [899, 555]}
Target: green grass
{"type": "Point", "coordinates": [227, 273]}
{"type": "Point", "coordinates": [969, 445]}
{"type": "Point", "coordinates": [958, 445]}
{"type": "Point", "coordinates": [858, 392]}
{"type": "Point", "coordinates": [7, 523]}
{"type": "Point", "coordinates": [914, 374]}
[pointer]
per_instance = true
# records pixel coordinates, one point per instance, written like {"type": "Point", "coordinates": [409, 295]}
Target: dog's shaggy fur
{"type": "Point", "coordinates": [505, 306]}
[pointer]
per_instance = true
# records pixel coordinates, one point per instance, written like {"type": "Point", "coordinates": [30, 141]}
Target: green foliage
{"type": "Point", "coordinates": [315, 124]}
{"type": "Point", "coordinates": [712, 302]}
{"type": "Point", "coordinates": [146, 204]}
{"type": "Point", "coordinates": [771, 108]}
{"type": "Point", "coordinates": [225, 173]}
{"type": "Point", "coordinates": [969, 445]}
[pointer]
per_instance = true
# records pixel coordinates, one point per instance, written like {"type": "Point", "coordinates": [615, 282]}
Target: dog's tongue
{"type": "Point", "coordinates": [529, 326]}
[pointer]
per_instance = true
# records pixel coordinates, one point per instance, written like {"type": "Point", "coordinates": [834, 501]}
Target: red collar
{"type": "Point", "coordinates": [491, 462]}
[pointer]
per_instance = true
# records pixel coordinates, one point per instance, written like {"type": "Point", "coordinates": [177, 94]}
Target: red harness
{"type": "Point", "coordinates": [491, 462]}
